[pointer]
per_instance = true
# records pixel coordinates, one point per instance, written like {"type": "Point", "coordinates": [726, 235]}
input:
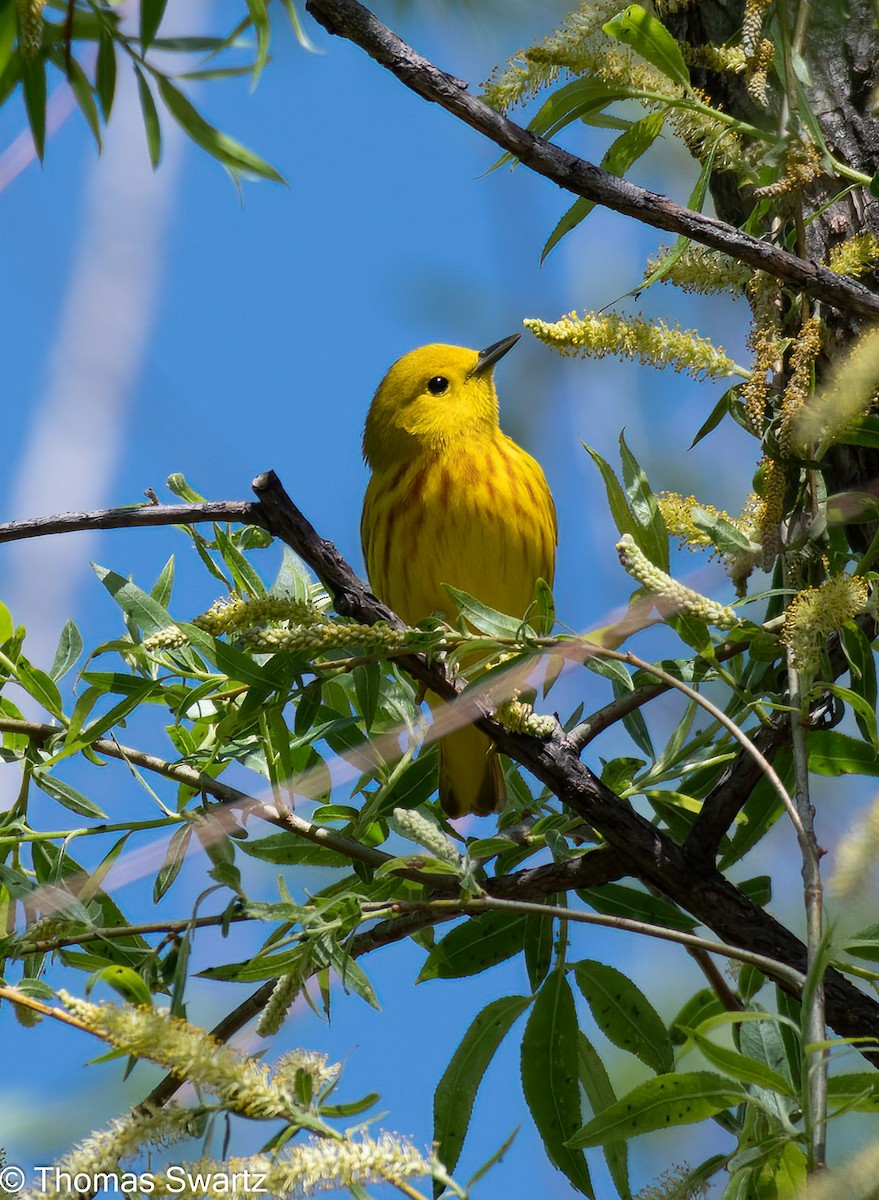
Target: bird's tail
{"type": "Point", "coordinates": [471, 776]}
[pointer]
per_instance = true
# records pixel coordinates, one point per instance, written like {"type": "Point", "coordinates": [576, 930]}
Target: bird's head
{"type": "Point", "coordinates": [430, 398]}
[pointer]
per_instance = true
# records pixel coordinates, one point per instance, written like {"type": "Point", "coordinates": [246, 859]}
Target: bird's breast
{"type": "Point", "coordinates": [478, 517]}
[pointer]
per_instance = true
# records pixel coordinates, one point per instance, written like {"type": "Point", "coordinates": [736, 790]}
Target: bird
{"type": "Point", "coordinates": [452, 499]}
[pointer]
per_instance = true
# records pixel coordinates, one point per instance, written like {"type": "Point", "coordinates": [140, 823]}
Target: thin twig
{"type": "Point", "coordinates": [244, 512]}
{"type": "Point", "coordinates": [482, 904]}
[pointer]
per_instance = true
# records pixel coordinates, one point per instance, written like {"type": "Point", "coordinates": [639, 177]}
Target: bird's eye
{"type": "Point", "coordinates": [437, 385]}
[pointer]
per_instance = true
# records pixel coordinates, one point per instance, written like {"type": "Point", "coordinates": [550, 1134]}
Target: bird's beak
{"type": "Point", "coordinates": [490, 355]}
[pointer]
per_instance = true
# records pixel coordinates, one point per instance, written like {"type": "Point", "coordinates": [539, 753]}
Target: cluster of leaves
{"type": "Point", "coordinates": [85, 40]}
{"type": "Point", "coordinates": [282, 717]}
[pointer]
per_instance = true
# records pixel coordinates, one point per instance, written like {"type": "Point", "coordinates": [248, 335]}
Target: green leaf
{"type": "Point", "coordinates": [353, 977]}
{"type": "Point", "coordinates": [81, 87]}
{"type": "Point", "coordinates": [68, 796]}
{"type": "Point", "coordinates": [481, 617]}
{"type": "Point", "coordinates": [105, 73]}
{"type": "Point", "coordinates": [151, 14]}
{"type": "Point", "coordinates": [653, 539]}
{"type": "Point", "coordinates": [286, 849]}
{"type": "Point", "coordinates": [456, 1091]}
{"type": "Point", "coordinates": [33, 82]}
{"type": "Point", "coordinates": [474, 946]}
{"type": "Point", "coordinates": [858, 1091]}
{"type": "Point", "coordinates": [367, 679]}
{"type": "Point", "coordinates": [538, 943]}
{"type": "Point", "coordinates": [696, 202]}
{"type": "Point", "coordinates": [862, 669]}
{"type": "Point", "coordinates": [40, 686]}
{"type": "Point", "coordinates": [865, 713]}
{"type": "Point", "coordinates": [600, 1095]}
{"type": "Point", "coordinates": [549, 1077]}
{"type": "Point", "coordinates": [619, 900]}
{"type": "Point", "coordinates": [127, 983]}
{"type": "Point", "coordinates": [835, 753]}
{"type": "Point", "coordinates": [637, 28]}
{"type": "Point", "coordinates": [666, 1100]}
{"type": "Point", "coordinates": [741, 1067]}
{"type": "Point", "coordinates": [225, 149]}
{"type": "Point", "coordinates": [624, 1014]}
{"type": "Point", "coordinates": [151, 124]}
{"type": "Point", "coordinates": [622, 514]}
{"type": "Point", "coordinates": [174, 857]}
{"type": "Point", "coordinates": [415, 783]}
{"type": "Point", "coordinates": [144, 612]}
{"type": "Point", "coordinates": [68, 651]}
{"type": "Point", "coordinates": [247, 581]}
{"type": "Point", "coordinates": [571, 218]}
{"type": "Point", "coordinates": [700, 1006]}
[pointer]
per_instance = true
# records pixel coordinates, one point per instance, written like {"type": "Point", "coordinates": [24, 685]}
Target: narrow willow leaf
{"type": "Point", "coordinates": [741, 1066]}
{"type": "Point", "coordinates": [145, 612]}
{"type": "Point", "coordinates": [624, 1014]}
{"type": "Point", "coordinates": [105, 73]}
{"type": "Point", "coordinates": [538, 941]}
{"type": "Point", "coordinates": [644, 508]}
{"type": "Point", "coordinates": [858, 1091]}
{"type": "Point", "coordinates": [40, 686]}
{"type": "Point", "coordinates": [835, 753]}
{"type": "Point", "coordinates": [456, 1091]}
{"type": "Point", "coordinates": [33, 82]}
{"type": "Point", "coordinates": [286, 849]}
{"type": "Point", "coordinates": [68, 651]}
{"type": "Point", "coordinates": [367, 679]}
{"type": "Point", "coordinates": [353, 977]}
{"type": "Point", "coordinates": [660, 1103]}
{"type": "Point", "coordinates": [474, 946]}
{"type": "Point", "coordinates": [600, 1095]}
{"type": "Point", "coordinates": [549, 1077]}
{"type": "Point", "coordinates": [225, 149]}
{"type": "Point", "coordinates": [701, 1006]}
{"type": "Point", "coordinates": [247, 581]}
{"type": "Point", "coordinates": [151, 124]}
{"type": "Point", "coordinates": [481, 617]}
{"type": "Point", "coordinates": [622, 514]}
{"type": "Point", "coordinates": [619, 900]}
{"type": "Point", "coordinates": [151, 14]}
{"type": "Point", "coordinates": [638, 28]}
{"type": "Point", "coordinates": [174, 858]}
{"type": "Point", "coordinates": [68, 796]}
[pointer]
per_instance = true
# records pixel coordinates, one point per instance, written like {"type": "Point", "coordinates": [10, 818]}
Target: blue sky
{"type": "Point", "coordinates": [163, 323]}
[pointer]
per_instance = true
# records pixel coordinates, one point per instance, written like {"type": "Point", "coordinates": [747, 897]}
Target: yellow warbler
{"type": "Point", "coordinates": [453, 500]}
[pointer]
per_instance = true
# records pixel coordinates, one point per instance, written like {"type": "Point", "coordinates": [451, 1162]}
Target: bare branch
{"type": "Point", "coordinates": [136, 516]}
{"type": "Point", "coordinates": [351, 20]}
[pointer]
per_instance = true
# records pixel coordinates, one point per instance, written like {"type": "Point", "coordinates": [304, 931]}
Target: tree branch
{"type": "Point", "coordinates": [349, 19]}
{"type": "Point", "coordinates": [243, 511]}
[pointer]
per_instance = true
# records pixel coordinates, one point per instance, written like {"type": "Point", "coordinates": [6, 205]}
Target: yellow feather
{"type": "Point", "coordinates": [453, 500]}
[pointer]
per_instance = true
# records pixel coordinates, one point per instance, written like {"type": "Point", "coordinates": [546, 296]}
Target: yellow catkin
{"type": "Point", "coordinates": [804, 353]}
{"type": "Point", "coordinates": [765, 340]}
{"type": "Point", "coordinates": [595, 335]}
{"type": "Point", "coordinates": [672, 597]}
{"type": "Point", "coordinates": [855, 256]}
{"type": "Point", "coordinates": [757, 71]}
{"type": "Point", "coordinates": [771, 510]}
{"type": "Point", "coordinates": [802, 164]}
{"type": "Point", "coordinates": [815, 613]}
